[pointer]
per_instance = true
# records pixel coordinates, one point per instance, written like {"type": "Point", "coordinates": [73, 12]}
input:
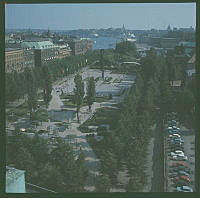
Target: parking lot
{"type": "Point", "coordinates": [179, 170]}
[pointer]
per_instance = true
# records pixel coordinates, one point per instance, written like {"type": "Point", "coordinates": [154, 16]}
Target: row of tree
{"type": "Point", "coordinates": [128, 143]}
{"type": "Point", "coordinates": [79, 93]}
{"type": "Point", "coordinates": [41, 77]}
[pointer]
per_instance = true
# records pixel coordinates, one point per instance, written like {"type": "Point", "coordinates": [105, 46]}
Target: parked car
{"type": "Point", "coordinates": [179, 158]}
{"type": "Point", "coordinates": [184, 178]}
{"type": "Point", "coordinates": [176, 141]}
{"type": "Point", "coordinates": [176, 147]}
{"type": "Point", "coordinates": [178, 152]}
{"type": "Point", "coordinates": [174, 135]}
{"type": "Point", "coordinates": [183, 173]}
{"type": "Point", "coordinates": [177, 164]}
{"type": "Point", "coordinates": [184, 189]}
{"type": "Point", "coordinates": [181, 183]}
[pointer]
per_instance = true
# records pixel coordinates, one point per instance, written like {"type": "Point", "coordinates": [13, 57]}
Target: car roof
{"type": "Point", "coordinates": [186, 187]}
{"type": "Point", "coordinates": [181, 171]}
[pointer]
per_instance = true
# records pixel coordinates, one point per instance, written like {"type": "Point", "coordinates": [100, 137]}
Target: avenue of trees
{"type": "Point", "coordinates": [78, 97]}
{"type": "Point", "coordinates": [16, 82]}
{"type": "Point", "coordinates": [54, 168]}
{"type": "Point", "coordinates": [78, 93]}
{"type": "Point", "coordinates": [127, 144]}
{"type": "Point", "coordinates": [90, 91]}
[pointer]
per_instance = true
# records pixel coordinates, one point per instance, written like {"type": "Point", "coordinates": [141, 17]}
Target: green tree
{"type": "Point", "coordinates": [46, 85]}
{"type": "Point", "coordinates": [50, 177]}
{"type": "Point", "coordinates": [185, 101]}
{"type": "Point", "coordinates": [31, 90]}
{"type": "Point", "coordinates": [25, 161]}
{"type": "Point", "coordinates": [78, 93]}
{"type": "Point", "coordinates": [82, 171]}
{"type": "Point", "coordinates": [126, 47]}
{"type": "Point", "coordinates": [103, 184]}
{"type": "Point", "coordinates": [90, 91]}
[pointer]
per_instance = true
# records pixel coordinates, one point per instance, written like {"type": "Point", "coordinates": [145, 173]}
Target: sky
{"type": "Point", "coordinates": [86, 16]}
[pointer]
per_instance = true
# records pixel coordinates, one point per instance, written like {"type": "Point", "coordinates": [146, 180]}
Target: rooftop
{"type": "Point", "coordinates": [12, 49]}
{"type": "Point", "coordinates": [12, 174]}
{"type": "Point", "coordinates": [193, 59]}
{"type": "Point", "coordinates": [188, 44]}
{"type": "Point", "coordinates": [38, 44]}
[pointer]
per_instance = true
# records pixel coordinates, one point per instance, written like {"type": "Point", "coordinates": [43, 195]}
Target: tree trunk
{"type": "Point", "coordinates": [89, 108]}
{"type": "Point", "coordinates": [77, 115]}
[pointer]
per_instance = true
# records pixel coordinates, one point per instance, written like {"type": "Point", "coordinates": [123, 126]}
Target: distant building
{"type": "Point", "coordinates": [28, 54]}
{"type": "Point", "coordinates": [14, 60]}
{"type": "Point", "coordinates": [63, 51]}
{"type": "Point", "coordinates": [190, 67]}
{"type": "Point", "coordinates": [80, 47]}
{"type": "Point", "coordinates": [168, 42]}
{"type": "Point", "coordinates": [15, 180]}
{"type": "Point", "coordinates": [29, 60]}
{"type": "Point", "coordinates": [44, 51]}
{"type": "Point", "coordinates": [189, 47]}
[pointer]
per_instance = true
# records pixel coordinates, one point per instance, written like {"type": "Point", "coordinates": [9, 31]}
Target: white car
{"type": "Point", "coordinates": [22, 129]}
{"type": "Point", "coordinates": [184, 189]}
{"type": "Point", "coordinates": [179, 158]}
{"type": "Point", "coordinates": [175, 135]}
{"type": "Point", "coordinates": [177, 128]}
{"type": "Point", "coordinates": [177, 153]}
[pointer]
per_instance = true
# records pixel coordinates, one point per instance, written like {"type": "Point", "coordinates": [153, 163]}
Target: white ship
{"type": "Point", "coordinates": [127, 36]}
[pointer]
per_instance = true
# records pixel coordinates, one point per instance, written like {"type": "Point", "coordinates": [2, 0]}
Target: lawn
{"type": "Point", "coordinates": [102, 116]}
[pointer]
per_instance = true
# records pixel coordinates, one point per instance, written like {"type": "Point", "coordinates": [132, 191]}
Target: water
{"type": "Point", "coordinates": [105, 42]}
{"type": "Point", "coordinates": [110, 42]}
{"type": "Point", "coordinates": [64, 115]}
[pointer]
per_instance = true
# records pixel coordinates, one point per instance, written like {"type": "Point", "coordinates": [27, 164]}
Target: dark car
{"type": "Point", "coordinates": [181, 183]}
{"type": "Point", "coordinates": [181, 168]}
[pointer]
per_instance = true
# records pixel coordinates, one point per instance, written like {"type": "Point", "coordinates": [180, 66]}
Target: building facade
{"type": "Point", "coordinates": [14, 60]}
{"type": "Point", "coordinates": [80, 47]}
{"type": "Point", "coordinates": [63, 51]}
{"type": "Point", "coordinates": [29, 60]}
{"type": "Point", "coordinates": [44, 51]}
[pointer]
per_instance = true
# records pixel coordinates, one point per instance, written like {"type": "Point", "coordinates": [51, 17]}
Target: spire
{"type": "Point", "coordinates": [168, 28]}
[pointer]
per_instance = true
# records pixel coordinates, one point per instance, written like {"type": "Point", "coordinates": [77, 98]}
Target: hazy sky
{"type": "Point", "coordinates": [78, 16]}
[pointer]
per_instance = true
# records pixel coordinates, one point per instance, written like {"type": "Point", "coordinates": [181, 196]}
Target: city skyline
{"type": "Point", "coordinates": [89, 16]}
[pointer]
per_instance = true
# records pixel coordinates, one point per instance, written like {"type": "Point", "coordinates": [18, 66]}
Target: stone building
{"type": "Point", "coordinates": [81, 46]}
{"type": "Point", "coordinates": [14, 60]}
{"type": "Point", "coordinates": [44, 51]}
{"type": "Point", "coordinates": [63, 51]}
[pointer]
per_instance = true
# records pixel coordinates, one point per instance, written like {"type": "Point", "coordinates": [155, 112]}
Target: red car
{"type": "Point", "coordinates": [175, 164]}
{"type": "Point", "coordinates": [184, 178]}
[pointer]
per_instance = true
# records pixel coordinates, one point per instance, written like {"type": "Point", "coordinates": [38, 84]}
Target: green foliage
{"type": "Point", "coordinates": [31, 90]}
{"type": "Point", "coordinates": [185, 101]}
{"type": "Point", "coordinates": [57, 170]}
{"type": "Point", "coordinates": [103, 184]}
{"type": "Point", "coordinates": [78, 93]}
{"type": "Point", "coordinates": [90, 91]}
{"type": "Point", "coordinates": [126, 47]}
{"type": "Point", "coordinates": [46, 84]}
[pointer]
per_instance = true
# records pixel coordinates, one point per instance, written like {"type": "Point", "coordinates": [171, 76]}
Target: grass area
{"type": "Point", "coordinates": [66, 96]}
{"type": "Point", "coordinates": [117, 80]}
{"type": "Point", "coordinates": [20, 111]}
{"type": "Point", "coordinates": [41, 115]}
{"type": "Point", "coordinates": [97, 79]}
{"type": "Point", "coordinates": [101, 99]}
{"type": "Point", "coordinates": [107, 79]}
{"type": "Point", "coordinates": [102, 116]}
